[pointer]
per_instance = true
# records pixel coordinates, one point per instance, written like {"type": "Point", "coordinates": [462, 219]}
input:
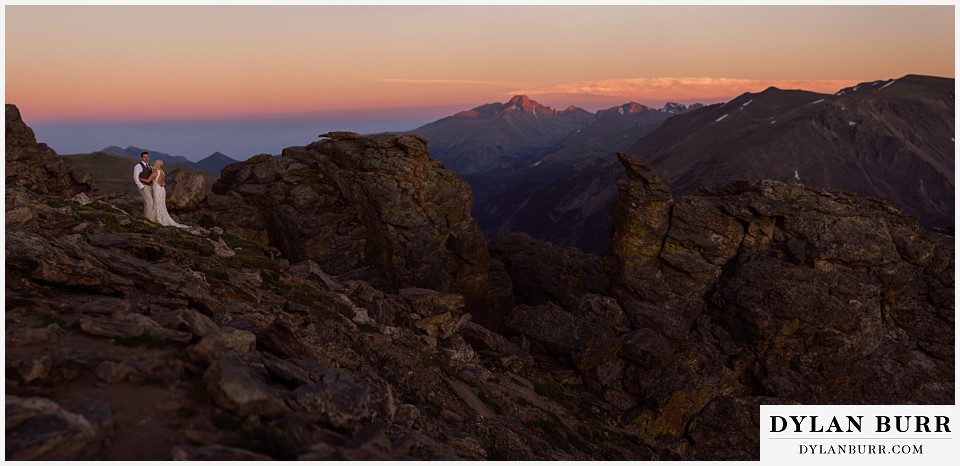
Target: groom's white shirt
{"type": "Point", "coordinates": [137, 170]}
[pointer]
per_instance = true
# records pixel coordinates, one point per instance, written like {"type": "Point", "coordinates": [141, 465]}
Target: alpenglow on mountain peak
{"type": "Point", "coordinates": [629, 107]}
{"type": "Point", "coordinates": [522, 102]}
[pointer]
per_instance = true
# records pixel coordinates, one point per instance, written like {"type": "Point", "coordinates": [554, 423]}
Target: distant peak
{"type": "Point", "coordinates": [526, 104]}
{"type": "Point", "coordinates": [629, 107]}
{"type": "Point", "coordinates": [673, 107]}
{"type": "Point", "coordinates": [521, 100]}
{"type": "Point", "coordinates": [633, 107]}
{"type": "Point", "coordinates": [573, 109]}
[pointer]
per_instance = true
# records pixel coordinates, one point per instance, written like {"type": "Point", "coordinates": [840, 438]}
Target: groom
{"type": "Point", "coordinates": [140, 174]}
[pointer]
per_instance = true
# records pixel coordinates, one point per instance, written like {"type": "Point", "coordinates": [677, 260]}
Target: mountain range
{"type": "Point", "coordinates": [521, 144]}
{"type": "Point", "coordinates": [511, 136]}
{"type": "Point", "coordinates": [887, 139]}
{"type": "Point", "coordinates": [211, 164]}
{"type": "Point", "coordinates": [890, 139]}
{"type": "Point", "coordinates": [500, 136]}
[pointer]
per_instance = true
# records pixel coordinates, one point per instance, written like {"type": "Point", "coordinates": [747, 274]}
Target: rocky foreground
{"type": "Point", "coordinates": [338, 303]}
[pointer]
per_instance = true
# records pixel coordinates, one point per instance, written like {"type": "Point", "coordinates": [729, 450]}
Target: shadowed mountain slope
{"type": "Point", "coordinates": [500, 136]}
{"type": "Point", "coordinates": [214, 163]}
{"type": "Point", "coordinates": [889, 139]}
{"type": "Point", "coordinates": [892, 140]}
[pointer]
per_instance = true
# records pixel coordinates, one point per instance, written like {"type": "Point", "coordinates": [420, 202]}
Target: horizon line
{"type": "Point", "coordinates": [601, 95]}
{"type": "Point", "coordinates": [412, 112]}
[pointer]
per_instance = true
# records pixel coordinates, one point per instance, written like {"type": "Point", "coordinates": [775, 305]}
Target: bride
{"type": "Point", "coordinates": [159, 213]}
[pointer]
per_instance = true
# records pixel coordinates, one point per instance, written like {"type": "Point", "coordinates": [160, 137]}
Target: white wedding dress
{"type": "Point", "coordinates": [160, 214]}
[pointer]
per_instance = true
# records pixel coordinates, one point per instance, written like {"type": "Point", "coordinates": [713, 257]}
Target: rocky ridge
{"type": "Point", "coordinates": [130, 341]}
{"type": "Point", "coordinates": [34, 165]}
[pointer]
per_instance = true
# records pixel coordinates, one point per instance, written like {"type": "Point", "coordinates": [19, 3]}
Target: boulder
{"type": "Point", "coordinates": [280, 338]}
{"type": "Point", "coordinates": [184, 190]}
{"type": "Point", "coordinates": [429, 303]}
{"type": "Point", "coordinates": [39, 429]}
{"type": "Point", "coordinates": [32, 336]}
{"type": "Point", "coordinates": [237, 388]}
{"type": "Point", "coordinates": [214, 453]}
{"type": "Point", "coordinates": [340, 399]}
{"type": "Point", "coordinates": [439, 315]}
{"type": "Point", "coordinates": [113, 372]}
{"type": "Point", "coordinates": [30, 369]}
{"type": "Point", "coordinates": [375, 208]}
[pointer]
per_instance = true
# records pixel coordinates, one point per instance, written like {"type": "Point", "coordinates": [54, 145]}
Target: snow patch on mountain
{"type": "Point", "coordinates": [673, 107]}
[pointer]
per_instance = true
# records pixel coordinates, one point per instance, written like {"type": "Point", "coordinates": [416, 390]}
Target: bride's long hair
{"type": "Point", "coordinates": [158, 164]}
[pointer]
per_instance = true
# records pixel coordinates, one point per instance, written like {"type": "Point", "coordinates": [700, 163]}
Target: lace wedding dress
{"type": "Point", "coordinates": [160, 214]}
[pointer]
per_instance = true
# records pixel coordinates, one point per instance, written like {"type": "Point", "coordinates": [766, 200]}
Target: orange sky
{"type": "Point", "coordinates": [143, 62]}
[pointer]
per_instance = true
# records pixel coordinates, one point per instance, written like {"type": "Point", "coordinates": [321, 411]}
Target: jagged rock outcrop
{"type": "Point", "coordinates": [374, 208]}
{"type": "Point", "coordinates": [37, 167]}
{"type": "Point", "coordinates": [811, 296]}
{"type": "Point", "coordinates": [642, 220]}
{"type": "Point", "coordinates": [764, 292]}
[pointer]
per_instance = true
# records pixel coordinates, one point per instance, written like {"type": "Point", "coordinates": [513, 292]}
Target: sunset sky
{"type": "Point", "coordinates": [192, 80]}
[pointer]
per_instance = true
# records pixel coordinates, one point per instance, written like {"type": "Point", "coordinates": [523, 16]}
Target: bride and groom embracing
{"type": "Point", "coordinates": [150, 182]}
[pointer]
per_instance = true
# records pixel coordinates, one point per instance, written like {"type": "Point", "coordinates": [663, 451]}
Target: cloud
{"type": "Point", "coordinates": [683, 88]}
{"type": "Point", "coordinates": [449, 81]}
